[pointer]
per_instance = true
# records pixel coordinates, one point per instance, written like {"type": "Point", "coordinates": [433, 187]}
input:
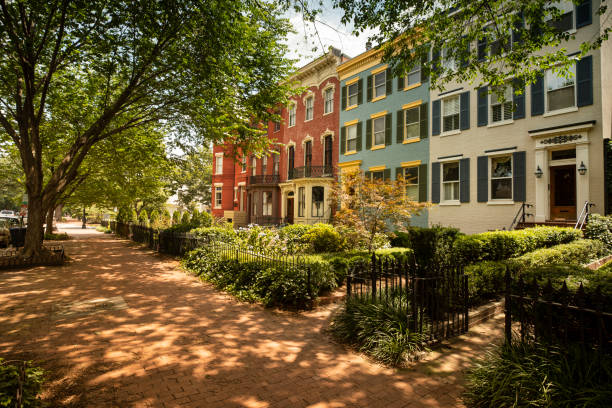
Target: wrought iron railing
{"type": "Point", "coordinates": [311, 171]}
{"type": "Point", "coordinates": [521, 215]}
{"type": "Point", "coordinates": [264, 179]}
{"type": "Point", "coordinates": [584, 215]}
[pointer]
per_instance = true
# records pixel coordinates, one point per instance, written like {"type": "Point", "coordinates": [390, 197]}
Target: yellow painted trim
{"type": "Point", "coordinates": [377, 168]}
{"type": "Point", "coordinates": [351, 152]}
{"type": "Point", "coordinates": [378, 115]}
{"type": "Point", "coordinates": [379, 69]}
{"type": "Point", "coordinates": [409, 87]}
{"type": "Point", "coordinates": [378, 98]}
{"type": "Point", "coordinates": [412, 140]}
{"type": "Point", "coordinates": [350, 163]}
{"type": "Point", "coordinates": [378, 147]}
{"type": "Point", "coordinates": [351, 122]}
{"type": "Point", "coordinates": [411, 163]}
{"type": "Point", "coordinates": [351, 81]}
{"type": "Point", "coordinates": [351, 107]}
{"type": "Point", "coordinates": [412, 104]}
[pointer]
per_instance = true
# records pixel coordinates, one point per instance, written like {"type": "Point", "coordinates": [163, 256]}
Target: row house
{"type": "Point", "coordinates": [292, 184]}
{"type": "Point", "coordinates": [384, 124]}
{"type": "Point", "coordinates": [543, 147]}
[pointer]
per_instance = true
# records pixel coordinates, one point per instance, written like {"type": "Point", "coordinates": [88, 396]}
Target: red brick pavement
{"type": "Point", "coordinates": [181, 343]}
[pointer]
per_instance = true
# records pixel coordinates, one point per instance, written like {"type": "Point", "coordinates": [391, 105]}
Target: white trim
{"type": "Point", "coordinates": [332, 86]}
{"type": "Point", "coordinates": [501, 152]}
{"type": "Point", "coordinates": [502, 123]}
{"type": "Point", "coordinates": [560, 111]}
{"type": "Point", "coordinates": [241, 183]}
{"type": "Point", "coordinates": [451, 159]}
{"type": "Point", "coordinates": [490, 179]}
{"type": "Point", "coordinates": [327, 132]}
{"type": "Point", "coordinates": [218, 184]}
{"type": "Point", "coordinates": [308, 138]}
{"type": "Point", "coordinates": [500, 202]}
{"type": "Point", "coordinates": [452, 132]}
{"type": "Point", "coordinates": [449, 203]}
{"type": "Point", "coordinates": [288, 145]}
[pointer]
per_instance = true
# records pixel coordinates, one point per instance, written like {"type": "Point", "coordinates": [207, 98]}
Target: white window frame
{"type": "Point", "coordinates": [347, 150]}
{"type": "Point", "coordinates": [569, 7]}
{"type": "Point", "coordinates": [449, 64]}
{"type": "Point", "coordinates": [328, 97]}
{"type": "Point", "coordinates": [320, 211]}
{"type": "Point", "coordinates": [243, 169]}
{"type": "Point", "coordinates": [292, 113]}
{"type": "Point", "coordinates": [218, 163]}
{"type": "Point", "coordinates": [418, 175]}
{"type": "Point", "coordinates": [444, 102]}
{"type": "Point", "coordinates": [418, 123]}
{"type": "Point", "coordinates": [349, 95]}
{"type": "Point", "coordinates": [457, 182]}
{"type": "Point", "coordinates": [509, 99]}
{"type": "Point", "coordinates": [235, 193]}
{"type": "Point", "coordinates": [267, 204]}
{"type": "Point", "coordinates": [546, 80]}
{"type": "Point", "coordinates": [276, 164]}
{"type": "Point", "coordinates": [383, 86]}
{"type": "Point", "coordinates": [491, 178]}
{"type": "Point", "coordinates": [416, 70]}
{"type": "Point", "coordinates": [309, 104]}
{"type": "Point", "coordinates": [218, 195]}
{"type": "Point", "coordinates": [253, 166]}
{"type": "Point", "coordinates": [384, 122]}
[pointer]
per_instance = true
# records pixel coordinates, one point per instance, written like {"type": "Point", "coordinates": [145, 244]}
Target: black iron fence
{"type": "Point", "coordinates": [311, 171]}
{"type": "Point", "coordinates": [434, 306]}
{"type": "Point", "coordinates": [542, 313]}
{"type": "Point", "coordinates": [275, 221]}
{"type": "Point", "coordinates": [166, 242]}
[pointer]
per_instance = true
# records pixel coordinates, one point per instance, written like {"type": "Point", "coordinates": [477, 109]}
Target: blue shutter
{"type": "Point", "coordinates": [435, 182]}
{"type": "Point", "coordinates": [519, 100]}
{"type": "Point", "coordinates": [519, 176]}
{"type": "Point", "coordinates": [435, 118]}
{"type": "Point", "coordinates": [537, 96]}
{"type": "Point", "coordinates": [583, 14]}
{"type": "Point", "coordinates": [482, 179]}
{"type": "Point", "coordinates": [483, 106]}
{"type": "Point", "coordinates": [464, 180]}
{"type": "Point", "coordinates": [464, 110]}
{"type": "Point", "coordinates": [584, 81]}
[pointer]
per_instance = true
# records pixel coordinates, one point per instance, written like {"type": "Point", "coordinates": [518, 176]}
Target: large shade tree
{"type": "Point", "coordinates": [198, 67]}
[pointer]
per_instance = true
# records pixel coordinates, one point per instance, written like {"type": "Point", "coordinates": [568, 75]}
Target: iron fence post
{"type": "Point", "coordinates": [508, 309]}
{"type": "Point", "coordinates": [465, 300]}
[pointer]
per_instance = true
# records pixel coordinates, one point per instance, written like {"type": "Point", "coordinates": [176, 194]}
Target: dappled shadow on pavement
{"type": "Point", "coordinates": [181, 343]}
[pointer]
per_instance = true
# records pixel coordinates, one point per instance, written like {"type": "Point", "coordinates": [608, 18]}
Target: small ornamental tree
{"type": "Point", "coordinates": [372, 206]}
{"type": "Point", "coordinates": [185, 219]}
{"type": "Point", "coordinates": [143, 217]}
{"type": "Point", "coordinates": [154, 219]}
{"type": "Point", "coordinates": [166, 219]}
{"type": "Point", "coordinates": [176, 218]}
{"type": "Point", "coordinates": [133, 216]}
{"type": "Point", "coordinates": [195, 218]}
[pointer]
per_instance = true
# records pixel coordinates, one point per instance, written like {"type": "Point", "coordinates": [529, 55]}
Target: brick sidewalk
{"type": "Point", "coordinates": [180, 343]}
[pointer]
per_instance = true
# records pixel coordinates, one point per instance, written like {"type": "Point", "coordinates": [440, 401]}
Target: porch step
{"type": "Point", "coordinates": [557, 223]}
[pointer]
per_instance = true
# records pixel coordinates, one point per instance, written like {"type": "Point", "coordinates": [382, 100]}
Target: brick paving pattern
{"type": "Point", "coordinates": [181, 343]}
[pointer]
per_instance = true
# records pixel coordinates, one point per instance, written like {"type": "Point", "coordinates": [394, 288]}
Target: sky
{"type": "Point", "coordinates": [331, 32]}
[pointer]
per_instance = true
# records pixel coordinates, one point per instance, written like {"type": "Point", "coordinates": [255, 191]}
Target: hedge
{"type": "Point", "coordinates": [430, 245]}
{"type": "Point", "coordinates": [600, 228]}
{"type": "Point", "coordinates": [575, 253]}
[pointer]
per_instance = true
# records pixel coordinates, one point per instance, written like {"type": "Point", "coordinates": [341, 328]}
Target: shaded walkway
{"type": "Point", "coordinates": [180, 343]}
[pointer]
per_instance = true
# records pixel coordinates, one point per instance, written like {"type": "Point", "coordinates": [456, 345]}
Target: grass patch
{"type": "Point", "coordinates": [57, 237]}
{"type": "Point", "coordinates": [105, 230]}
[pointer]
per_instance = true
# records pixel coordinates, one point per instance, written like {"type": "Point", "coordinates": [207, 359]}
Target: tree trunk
{"type": "Point", "coordinates": [34, 233]}
{"type": "Point", "coordinates": [49, 220]}
{"type": "Point", "coordinates": [84, 219]}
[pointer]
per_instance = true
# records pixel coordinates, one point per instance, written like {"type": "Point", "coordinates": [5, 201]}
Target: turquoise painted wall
{"type": "Point", "coordinates": [394, 154]}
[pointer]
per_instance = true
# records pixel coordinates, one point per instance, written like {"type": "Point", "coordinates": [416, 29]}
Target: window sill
{"type": "Point", "coordinates": [412, 140]}
{"type": "Point", "coordinates": [378, 98]}
{"type": "Point", "coordinates": [351, 152]}
{"type": "Point", "coordinates": [409, 87]}
{"type": "Point", "coordinates": [328, 113]}
{"type": "Point", "coordinates": [561, 111]}
{"type": "Point", "coordinates": [291, 126]}
{"type": "Point", "coordinates": [450, 133]}
{"type": "Point", "coordinates": [450, 203]}
{"type": "Point", "coordinates": [500, 202]}
{"type": "Point", "coordinates": [501, 123]}
{"type": "Point", "coordinates": [378, 147]}
{"type": "Point", "coordinates": [351, 107]}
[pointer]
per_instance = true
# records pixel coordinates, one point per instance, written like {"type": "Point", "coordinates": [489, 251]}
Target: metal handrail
{"type": "Point", "coordinates": [584, 215]}
{"type": "Point", "coordinates": [520, 214]}
{"type": "Point", "coordinates": [311, 172]}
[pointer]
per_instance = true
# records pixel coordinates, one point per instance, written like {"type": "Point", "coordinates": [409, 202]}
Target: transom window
{"type": "Point", "coordinates": [378, 131]}
{"type": "Point", "coordinates": [218, 196]}
{"type": "Point", "coordinates": [292, 115]}
{"type": "Point", "coordinates": [329, 100]}
{"type": "Point", "coordinates": [352, 93]}
{"type": "Point", "coordinates": [317, 201]}
{"type": "Point", "coordinates": [309, 108]}
{"type": "Point", "coordinates": [501, 111]}
{"type": "Point", "coordinates": [501, 178]}
{"type": "Point", "coordinates": [380, 84]}
{"type": "Point", "coordinates": [219, 164]}
{"type": "Point", "coordinates": [450, 181]}
{"type": "Point", "coordinates": [450, 114]}
{"type": "Point", "coordinates": [414, 76]}
{"type": "Point", "coordinates": [560, 91]}
{"type": "Point", "coordinates": [411, 178]}
{"type": "Point", "coordinates": [413, 128]}
{"type": "Point", "coordinates": [351, 138]}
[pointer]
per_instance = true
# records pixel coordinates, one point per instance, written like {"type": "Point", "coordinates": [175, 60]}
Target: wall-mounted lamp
{"type": "Point", "coordinates": [538, 173]}
{"type": "Point", "coordinates": [582, 169]}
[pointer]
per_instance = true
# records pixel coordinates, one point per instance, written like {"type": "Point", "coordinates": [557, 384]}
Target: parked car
{"type": "Point", "coordinates": [9, 213]}
{"type": "Point", "coordinates": [5, 224]}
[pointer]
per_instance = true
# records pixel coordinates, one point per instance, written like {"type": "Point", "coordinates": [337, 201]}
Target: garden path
{"type": "Point", "coordinates": [169, 340]}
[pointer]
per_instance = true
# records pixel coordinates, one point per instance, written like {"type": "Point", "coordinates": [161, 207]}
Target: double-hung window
{"type": "Point", "coordinates": [378, 131]}
{"type": "Point", "coordinates": [411, 178]}
{"type": "Point", "coordinates": [301, 201]}
{"type": "Point", "coordinates": [351, 138]}
{"type": "Point", "coordinates": [352, 94]}
{"type": "Point", "coordinates": [414, 76]}
{"type": "Point", "coordinates": [219, 163]}
{"type": "Point", "coordinates": [253, 166]}
{"type": "Point", "coordinates": [501, 111]}
{"type": "Point", "coordinates": [380, 84]}
{"type": "Point", "coordinates": [218, 196]}
{"type": "Point", "coordinates": [565, 21]}
{"type": "Point", "coordinates": [412, 123]}
{"type": "Point", "coordinates": [501, 178]}
{"type": "Point", "coordinates": [309, 108]}
{"type": "Point", "coordinates": [275, 164]}
{"type": "Point", "coordinates": [292, 108]}
{"type": "Point", "coordinates": [264, 164]}
{"type": "Point", "coordinates": [329, 100]}
{"type": "Point", "coordinates": [377, 175]}
{"type": "Point", "coordinates": [317, 201]}
{"type": "Point", "coordinates": [244, 165]}
{"type": "Point", "coordinates": [450, 181]}
{"type": "Point", "coordinates": [448, 61]}
{"type": "Point", "coordinates": [267, 203]}
{"type": "Point", "coordinates": [450, 114]}
{"type": "Point", "coordinates": [560, 91]}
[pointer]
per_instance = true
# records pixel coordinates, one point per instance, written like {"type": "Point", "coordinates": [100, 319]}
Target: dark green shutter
{"type": "Point", "coordinates": [483, 106]}
{"type": "Point", "coordinates": [464, 110]}
{"type": "Point", "coordinates": [435, 182]}
{"type": "Point", "coordinates": [399, 138]}
{"type": "Point", "coordinates": [537, 96]}
{"type": "Point", "coordinates": [360, 91]}
{"type": "Point", "coordinates": [344, 97]}
{"type": "Point", "coordinates": [423, 121]}
{"type": "Point", "coordinates": [389, 78]}
{"type": "Point", "coordinates": [519, 176]}
{"type": "Point", "coordinates": [583, 14]}
{"type": "Point", "coordinates": [464, 180]}
{"type": "Point", "coordinates": [584, 81]}
{"type": "Point", "coordinates": [424, 73]}
{"type": "Point", "coordinates": [399, 172]}
{"type": "Point", "coordinates": [343, 139]}
{"type": "Point", "coordinates": [359, 135]}
{"type": "Point", "coordinates": [387, 175]}
{"type": "Point", "coordinates": [368, 134]}
{"type": "Point", "coordinates": [435, 60]}
{"type": "Point", "coordinates": [422, 183]}
{"type": "Point", "coordinates": [482, 179]}
{"type": "Point", "coordinates": [482, 48]}
{"type": "Point", "coordinates": [400, 83]}
{"type": "Point", "coordinates": [388, 129]}
{"type": "Point", "coordinates": [369, 88]}
{"type": "Point", "coordinates": [517, 30]}
{"type": "Point", "coordinates": [518, 100]}
{"type": "Point", "coordinates": [435, 118]}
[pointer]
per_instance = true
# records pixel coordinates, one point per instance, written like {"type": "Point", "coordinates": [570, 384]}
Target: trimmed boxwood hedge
{"type": "Point", "coordinates": [577, 252]}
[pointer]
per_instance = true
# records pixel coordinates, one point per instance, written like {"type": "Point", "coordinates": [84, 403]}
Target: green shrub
{"type": "Point", "coordinates": [176, 218]}
{"type": "Point", "coordinates": [378, 328]}
{"type": "Point", "coordinates": [57, 237]}
{"type": "Point", "coordinates": [600, 228]}
{"type": "Point", "coordinates": [577, 252]}
{"type": "Point", "coordinates": [486, 281]}
{"type": "Point", "coordinates": [292, 236]}
{"type": "Point", "coordinates": [217, 234]}
{"type": "Point", "coordinates": [124, 214]}
{"type": "Point", "coordinates": [31, 383]}
{"type": "Point", "coordinates": [185, 219]}
{"type": "Point", "coordinates": [133, 216]}
{"type": "Point", "coordinates": [431, 246]}
{"type": "Point", "coordinates": [572, 275]}
{"type": "Point", "coordinates": [323, 238]}
{"type": "Point", "coordinates": [154, 219]}
{"type": "Point", "coordinates": [143, 217]}
{"type": "Point", "coordinates": [103, 229]}
{"type": "Point", "coordinates": [166, 219]}
{"type": "Point", "coordinates": [540, 376]}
